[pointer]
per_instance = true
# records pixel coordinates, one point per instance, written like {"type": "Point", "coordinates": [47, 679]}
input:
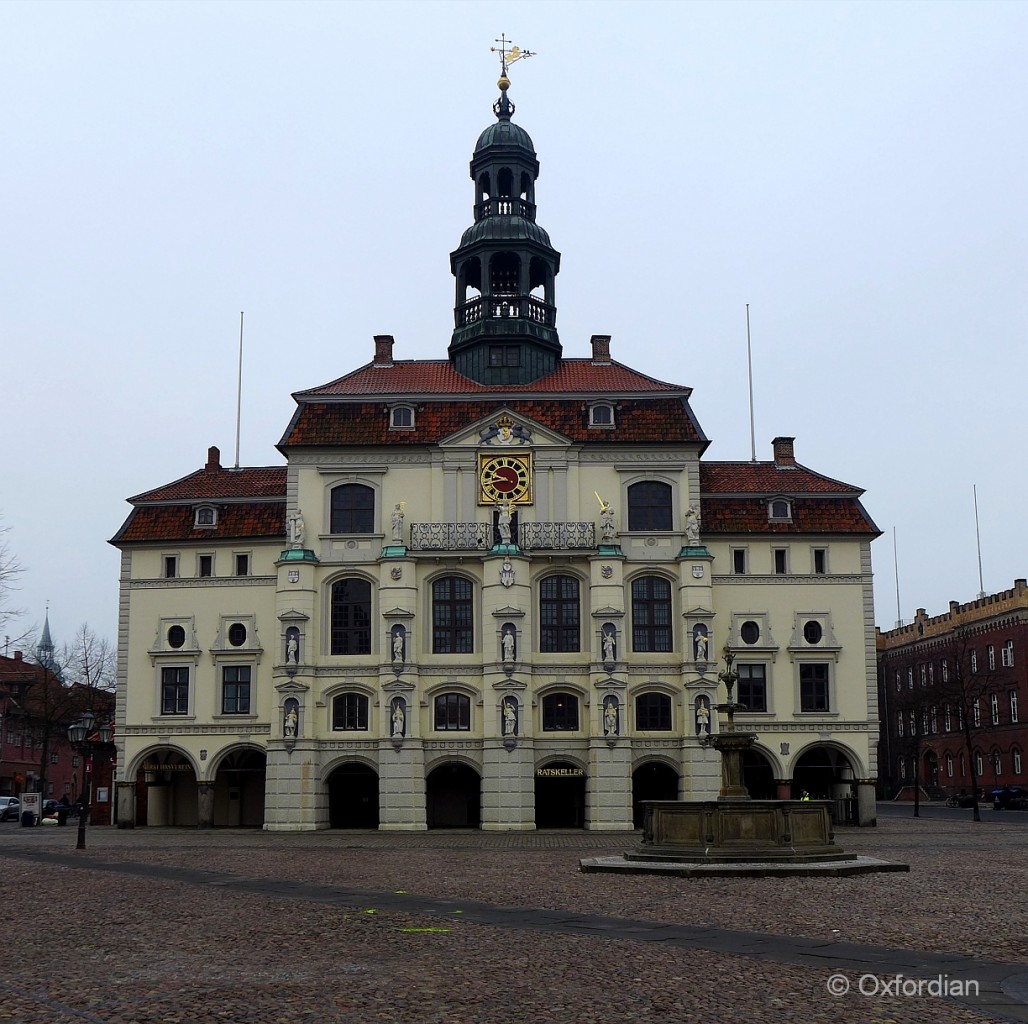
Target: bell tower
{"type": "Point", "coordinates": [505, 313]}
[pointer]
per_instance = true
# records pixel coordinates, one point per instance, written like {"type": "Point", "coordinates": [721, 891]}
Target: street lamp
{"type": "Point", "coordinates": [79, 737]}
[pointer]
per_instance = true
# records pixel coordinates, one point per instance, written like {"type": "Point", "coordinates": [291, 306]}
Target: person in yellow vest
{"type": "Point", "coordinates": [804, 795]}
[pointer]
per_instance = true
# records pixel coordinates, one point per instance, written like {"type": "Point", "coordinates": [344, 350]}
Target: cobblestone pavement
{"type": "Point", "coordinates": [173, 926]}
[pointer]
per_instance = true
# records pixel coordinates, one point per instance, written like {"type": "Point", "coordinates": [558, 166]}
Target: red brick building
{"type": "Point", "coordinates": [943, 678]}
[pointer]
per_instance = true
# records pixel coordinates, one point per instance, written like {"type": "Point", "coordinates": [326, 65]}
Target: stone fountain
{"type": "Point", "coordinates": [735, 834]}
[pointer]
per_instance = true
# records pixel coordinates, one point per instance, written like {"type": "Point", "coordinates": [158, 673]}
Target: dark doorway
{"type": "Point", "coordinates": [758, 776]}
{"type": "Point", "coordinates": [239, 790]}
{"type": "Point", "coordinates": [652, 781]}
{"type": "Point", "coordinates": [453, 797]}
{"type": "Point", "coordinates": [821, 772]}
{"type": "Point", "coordinates": [353, 797]}
{"type": "Point", "coordinates": [560, 796]}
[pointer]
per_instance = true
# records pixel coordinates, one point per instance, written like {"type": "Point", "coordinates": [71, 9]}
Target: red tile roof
{"type": "Point", "coordinates": [438, 377]}
{"type": "Point", "coordinates": [254, 519]}
{"type": "Point", "coordinates": [664, 420]}
{"type": "Point", "coordinates": [767, 478]}
{"type": "Point", "coordinates": [212, 484]}
{"type": "Point", "coordinates": [809, 515]}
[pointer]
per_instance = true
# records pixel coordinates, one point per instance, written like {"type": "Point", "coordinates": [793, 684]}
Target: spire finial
{"type": "Point", "coordinates": [509, 53]}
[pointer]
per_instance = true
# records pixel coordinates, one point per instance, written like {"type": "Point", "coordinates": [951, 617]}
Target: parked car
{"type": "Point", "coordinates": [10, 808]}
{"type": "Point", "coordinates": [1009, 798]}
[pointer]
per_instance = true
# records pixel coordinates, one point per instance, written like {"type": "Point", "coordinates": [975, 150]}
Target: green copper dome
{"type": "Point", "coordinates": [505, 133]}
{"type": "Point", "coordinates": [505, 228]}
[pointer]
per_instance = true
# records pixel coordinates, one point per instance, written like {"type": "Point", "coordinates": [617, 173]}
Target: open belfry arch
{"type": "Point", "coordinates": [489, 590]}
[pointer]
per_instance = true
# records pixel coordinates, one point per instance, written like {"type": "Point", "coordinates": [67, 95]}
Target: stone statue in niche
{"type": "Point", "coordinates": [608, 522]}
{"type": "Point", "coordinates": [702, 716]}
{"type": "Point", "coordinates": [700, 642]}
{"type": "Point", "coordinates": [610, 716]}
{"type": "Point", "coordinates": [503, 521]}
{"type": "Point", "coordinates": [508, 643]}
{"type": "Point", "coordinates": [608, 645]}
{"type": "Point", "coordinates": [399, 718]}
{"type": "Point", "coordinates": [291, 719]}
{"type": "Point", "coordinates": [510, 716]}
{"type": "Point", "coordinates": [398, 643]}
{"type": "Point", "coordinates": [292, 646]}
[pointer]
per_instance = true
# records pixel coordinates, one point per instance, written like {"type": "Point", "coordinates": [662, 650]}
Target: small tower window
{"type": "Point", "coordinates": [780, 509]}
{"type": "Point", "coordinates": [601, 415]}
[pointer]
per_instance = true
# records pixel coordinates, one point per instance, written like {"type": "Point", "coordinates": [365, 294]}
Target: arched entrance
{"type": "Point", "coordinates": [758, 776]}
{"type": "Point", "coordinates": [653, 780]}
{"type": "Point", "coordinates": [560, 795]}
{"type": "Point", "coordinates": [353, 796]}
{"type": "Point", "coordinates": [166, 791]}
{"type": "Point", "coordinates": [825, 773]}
{"type": "Point", "coordinates": [239, 790]}
{"type": "Point", "coordinates": [453, 796]}
{"type": "Point", "coordinates": [930, 769]}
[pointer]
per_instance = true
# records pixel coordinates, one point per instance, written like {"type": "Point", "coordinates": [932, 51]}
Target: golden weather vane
{"type": "Point", "coordinates": [508, 52]}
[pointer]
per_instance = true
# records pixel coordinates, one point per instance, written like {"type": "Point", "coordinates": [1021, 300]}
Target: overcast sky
{"type": "Point", "coordinates": [854, 171]}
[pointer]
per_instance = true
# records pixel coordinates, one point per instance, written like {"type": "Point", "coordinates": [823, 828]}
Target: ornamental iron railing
{"type": "Point", "coordinates": [482, 536]}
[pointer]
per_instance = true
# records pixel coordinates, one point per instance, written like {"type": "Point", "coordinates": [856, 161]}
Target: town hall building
{"type": "Point", "coordinates": [492, 589]}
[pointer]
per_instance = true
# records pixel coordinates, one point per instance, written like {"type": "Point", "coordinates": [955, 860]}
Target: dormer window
{"type": "Point", "coordinates": [779, 510]}
{"type": "Point", "coordinates": [601, 415]}
{"type": "Point", "coordinates": [206, 517]}
{"type": "Point", "coordinates": [401, 417]}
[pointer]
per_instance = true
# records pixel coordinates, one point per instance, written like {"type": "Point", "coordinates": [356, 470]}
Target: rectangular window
{"type": "Point", "coordinates": [924, 675]}
{"type": "Point", "coordinates": [174, 691]}
{"type": "Point", "coordinates": [781, 561]}
{"type": "Point", "coordinates": [945, 671]}
{"type": "Point", "coordinates": [651, 614]}
{"type": "Point", "coordinates": [820, 561]}
{"type": "Point", "coordinates": [910, 678]}
{"type": "Point", "coordinates": [452, 616]}
{"type": "Point", "coordinates": [452, 712]}
{"type": "Point", "coordinates": [976, 711]}
{"type": "Point", "coordinates": [974, 661]}
{"type": "Point", "coordinates": [1007, 654]}
{"type": "Point", "coordinates": [931, 674]}
{"type": "Point", "coordinates": [947, 719]}
{"type": "Point", "coordinates": [653, 712]}
{"type": "Point", "coordinates": [235, 692]}
{"type": "Point", "coordinates": [558, 614]}
{"type": "Point", "coordinates": [753, 687]}
{"type": "Point", "coordinates": [814, 686]}
{"type": "Point", "coordinates": [170, 567]}
{"type": "Point", "coordinates": [242, 565]}
{"type": "Point", "coordinates": [205, 565]}
{"type": "Point", "coordinates": [739, 561]}
{"type": "Point", "coordinates": [1013, 706]}
{"type": "Point", "coordinates": [350, 712]}
{"type": "Point", "coordinates": [54, 757]}
{"type": "Point", "coordinates": [992, 657]}
{"type": "Point", "coordinates": [899, 723]}
{"type": "Point", "coordinates": [75, 762]}
{"type": "Point", "coordinates": [994, 708]}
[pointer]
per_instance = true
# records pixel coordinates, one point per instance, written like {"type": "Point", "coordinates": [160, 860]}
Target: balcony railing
{"type": "Point", "coordinates": [506, 307]}
{"type": "Point", "coordinates": [505, 206]}
{"type": "Point", "coordinates": [482, 536]}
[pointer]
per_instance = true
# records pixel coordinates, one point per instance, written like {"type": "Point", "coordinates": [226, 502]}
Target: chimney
{"type": "Point", "coordinates": [213, 460]}
{"type": "Point", "coordinates": [601, 348]}
{"type": "Point", "coordinates": [383, 350]}
{"type": "Point", "coordinates": [784, 454]}
{"type": "Point", "coordinates": [19, 655]}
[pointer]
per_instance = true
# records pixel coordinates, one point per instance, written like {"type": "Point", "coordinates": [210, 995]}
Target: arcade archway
{"type": "Point", "coordinates": [166, 791]}
{"type": "Point", "coordinates": [453, 796]}
{"type": "Point", "coordinates": [758, 775]}
{"type": "Point", "coordinates": [239, 789]}
{"type": "Point", "coordinates": [560, 795]}
{"type": "Point", "coordinates": [653, 780]}
{"type": "Point", "coordinates": [353, 796]}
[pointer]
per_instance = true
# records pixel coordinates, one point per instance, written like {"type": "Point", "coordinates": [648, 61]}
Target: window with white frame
{"type": "Point", "coordinates": [350, 712]}
{"type": "Point", "coordinates": [991, 650]}
{"type": "Point", "coordinates": [945, 670]}
{"type": "Point", "coordinates": [974, 661]}
{"type": "Point", "coordinates": [997, 763]}
{"type": "Point", "coordinates": [752, 691]}
{"type": "Point", "coordinates": [931, 673]}
{"type": "Point", "coordinates": [814, 686]}
{"type": "Point", "coordinates": [976, 711]}
{"type": "Point", "coordinates": [994, 708]}
{"type": "Point", "coordinates": [979, 765]}
{"type": "Point", "coordinates": [206, 517]}
{"type": "Point", "coordinates": [924, 675]}
{"type": "Point", "coordinates": [174, 690]}
{"type": "Point", "coordinates": [1015, 754]}
{"type": "Point", "coordinates": [899, 682]}
{"type": "Point", "coordinates": [820, 561]}
{"type": "Point", "coordinates": [1013, 706]}
{"type": "Point", "coordinates": [235, 689]}
{"type": "Point", "coordinates": [779, 510]}
{"type": "Point", "coordinates": [947, 719]}
{"type": "Point", "coordinates": [910, 677]}
{"type": "Point", "coordinates": [949, 766]}
{"type": "Point", "coordinates": [401, 417]}
{"type": "Point", "coordinates": [1007, 654]}
{"type": "Point", "coordinates": [739, 560]}
{"type": "Point", "coordinates": [899, 723]}
{"type": "Point", "coordinates": [934, 719]}
{"type": "Point", "coordinates": [170, 567]}
{"type": "Point", "coordinates": [601, 414]}
{"type": "Point", "coordinates": [781, 561]}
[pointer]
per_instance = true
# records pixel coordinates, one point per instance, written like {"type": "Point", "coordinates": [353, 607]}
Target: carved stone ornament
{"type": "Point", "coordinates": [606, 571]}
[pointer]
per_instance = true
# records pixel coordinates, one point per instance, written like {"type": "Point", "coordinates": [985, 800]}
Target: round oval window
{"type": "Point", "coordinates": [750, 632]}
{"type": "Point", "coordinates": [812, 632]}
{"type": "Point", "coordinates": [237, 634]}
{"type": "Point", "coordinates": [176, 636]}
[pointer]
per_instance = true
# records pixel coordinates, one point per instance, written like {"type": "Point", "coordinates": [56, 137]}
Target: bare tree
{"type": "Point", "coordinates": [88, 660]}
{"type": "Point", "coordinates": [10, 570]}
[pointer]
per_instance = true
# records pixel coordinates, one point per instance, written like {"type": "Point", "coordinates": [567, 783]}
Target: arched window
{"type": "Point", "coordinates": [350, 712]}
{"type": "Point", "coordinates": [351, 616]}
{"type": "Point", "coordinates": [559, 614]}
{"type": "Point", "coordinates": [653, 712]}
{"type": "Point", "coordinates": [560, 712]}
{"type": "Point", "coordinates": [453, 712]}
{"type": "Point", "coordinates": [649, 506]}
{"type": "Point", "coordinates": [651, 614]}
{"type": "Point", "coordinates": [452, 616]}
{"type": "Point", "coordinates": [353, 509]}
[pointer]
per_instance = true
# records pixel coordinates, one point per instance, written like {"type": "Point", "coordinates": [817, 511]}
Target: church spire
{"type": "Point", "coordinates": [45, 647]}
{"type": "Point", "coordinates": [504, 312]}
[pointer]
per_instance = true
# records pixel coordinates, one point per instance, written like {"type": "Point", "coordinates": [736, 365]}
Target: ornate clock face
{"type": "Point", "coordinates": [505, 478]}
